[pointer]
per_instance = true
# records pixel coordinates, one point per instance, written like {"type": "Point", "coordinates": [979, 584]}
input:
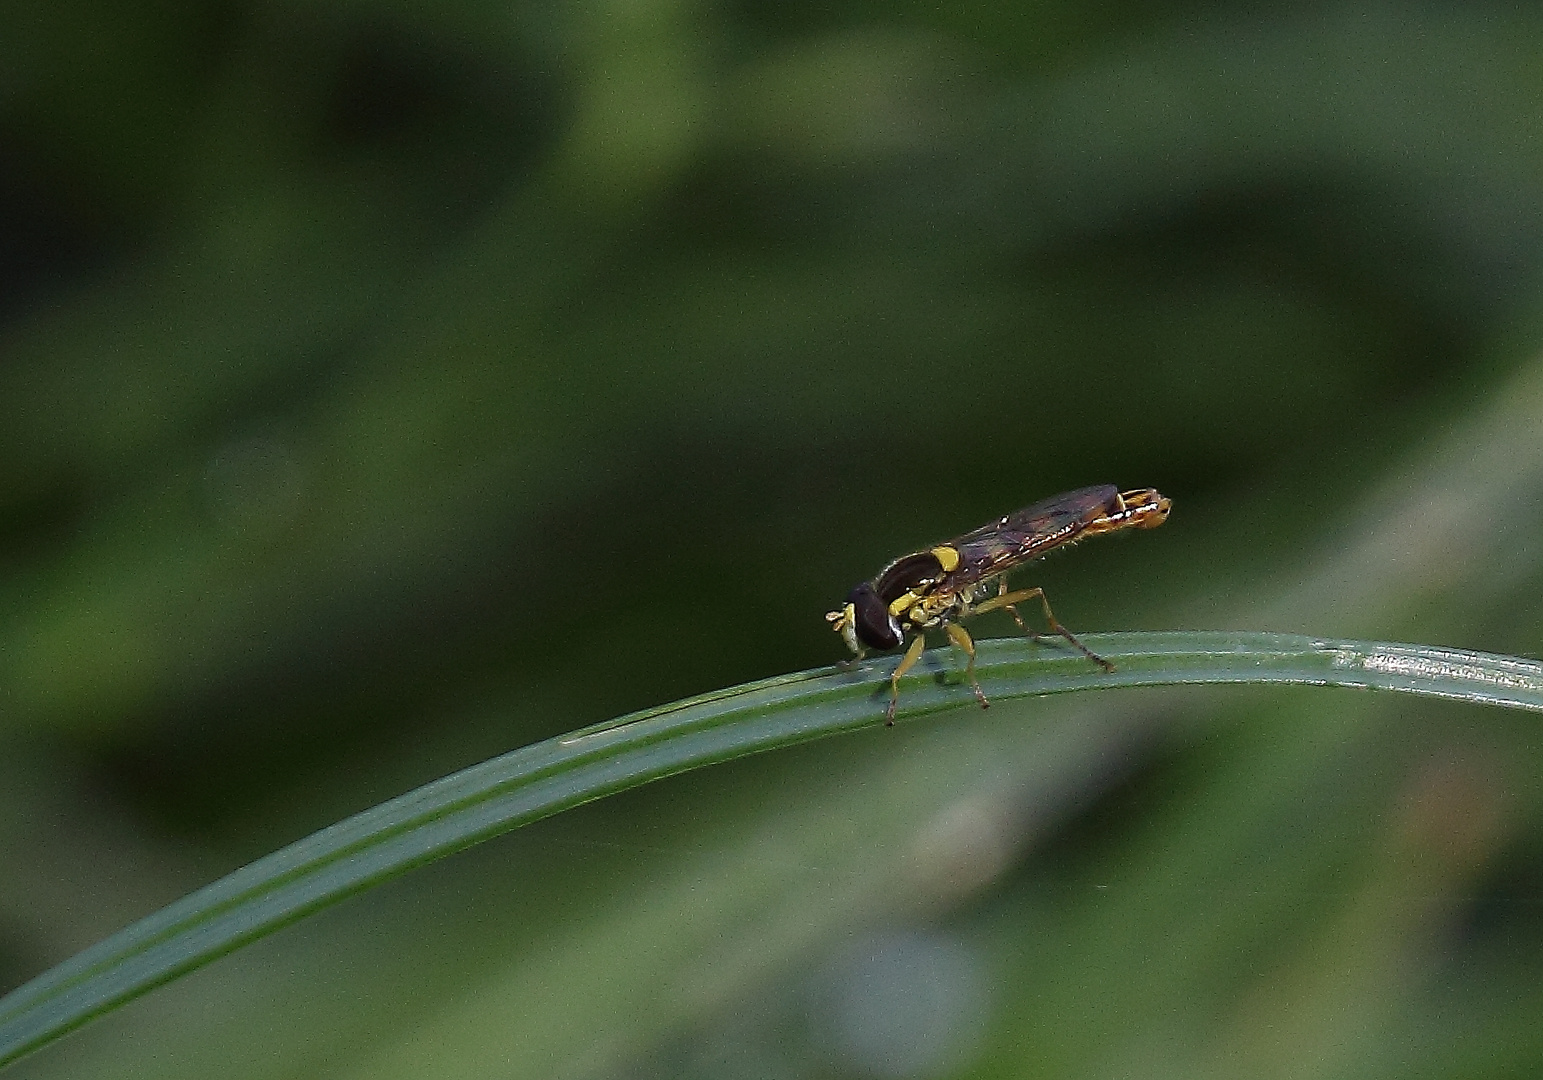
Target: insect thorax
{"type": "Point", "coordinates": [933, 610]}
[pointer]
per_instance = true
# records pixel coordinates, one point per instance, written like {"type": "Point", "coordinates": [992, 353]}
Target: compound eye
{"type": "Point", "coordinates": [875, 628]}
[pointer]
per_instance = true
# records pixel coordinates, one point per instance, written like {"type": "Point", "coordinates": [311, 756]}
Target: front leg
{"type": "Point", "coordinates": [907, 662]}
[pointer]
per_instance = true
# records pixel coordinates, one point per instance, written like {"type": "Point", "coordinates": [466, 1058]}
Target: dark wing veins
{"type": "Point", "coordinates": [1028, 534]}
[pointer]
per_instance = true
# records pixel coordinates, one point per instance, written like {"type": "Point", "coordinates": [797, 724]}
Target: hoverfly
{"type": "Point", "coordinates": [940, 586]}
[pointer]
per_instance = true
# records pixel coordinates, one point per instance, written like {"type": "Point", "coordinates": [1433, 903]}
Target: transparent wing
{"type": "Point", "coordinates": [1028, 534]}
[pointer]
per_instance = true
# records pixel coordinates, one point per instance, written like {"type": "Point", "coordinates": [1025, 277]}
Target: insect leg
{"type": "Point", "coordinates": [907, 662]}
{"type": "Point", "coordinates": [1008, 599]}
{"type": "Point", "coordinates": [960, 637]}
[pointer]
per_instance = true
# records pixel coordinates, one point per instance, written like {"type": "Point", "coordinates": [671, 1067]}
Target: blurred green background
{"type": "Point", "coordinates": [387, 384]}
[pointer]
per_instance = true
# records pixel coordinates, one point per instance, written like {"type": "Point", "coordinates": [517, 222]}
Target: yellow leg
{"type": "Point", "coordinates": [958, 635]}
{"type": "Point", "coordinates": [1005, 599]}
{"type": "Point", "coordinates": [907, 662]}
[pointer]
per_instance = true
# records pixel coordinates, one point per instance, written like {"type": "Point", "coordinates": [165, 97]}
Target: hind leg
{"type": "Point", "coordinates": [1008, 600]}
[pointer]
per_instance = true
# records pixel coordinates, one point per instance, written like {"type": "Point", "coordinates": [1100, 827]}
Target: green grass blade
{"type": "Point", "coordinates": [522, 786]}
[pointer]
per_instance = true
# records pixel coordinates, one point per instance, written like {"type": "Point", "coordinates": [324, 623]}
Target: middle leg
{"type": "Point", "coordinates": [961, 637]}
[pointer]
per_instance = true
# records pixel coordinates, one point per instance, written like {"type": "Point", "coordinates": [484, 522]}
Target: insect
{"type": "Point", "coordinates": [949, 581]}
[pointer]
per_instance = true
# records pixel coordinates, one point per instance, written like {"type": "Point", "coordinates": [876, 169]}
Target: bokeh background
{"type": "Point", "coordinates": [387, 384]}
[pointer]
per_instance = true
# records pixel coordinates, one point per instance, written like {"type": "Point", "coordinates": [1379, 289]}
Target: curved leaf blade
{"type": "Point", "coordinates": [525, 785]}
